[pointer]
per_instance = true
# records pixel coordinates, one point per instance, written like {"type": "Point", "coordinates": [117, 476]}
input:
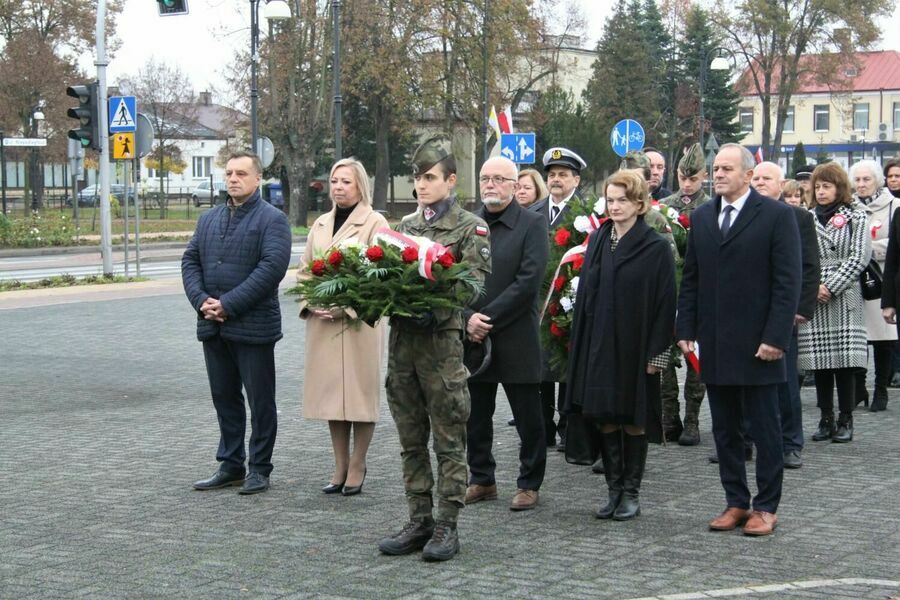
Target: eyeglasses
{"type": "Point", "coordinates": [495, 179]}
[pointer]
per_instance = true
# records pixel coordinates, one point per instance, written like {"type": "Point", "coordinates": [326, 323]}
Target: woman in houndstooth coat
{"type": "Point", "coordinates": [833, 343]}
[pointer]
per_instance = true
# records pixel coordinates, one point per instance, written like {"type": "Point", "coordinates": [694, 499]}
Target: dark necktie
{"type": "Point", "coordinates": [726, 221]}
{"type": "Point", "coordinates": [554, 212]}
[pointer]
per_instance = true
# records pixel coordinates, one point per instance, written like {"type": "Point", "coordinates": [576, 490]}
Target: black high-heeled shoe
{"type": "Point", "coordinates": [352, 490]}
{"type": "Point", "coordinates": [333, 488]}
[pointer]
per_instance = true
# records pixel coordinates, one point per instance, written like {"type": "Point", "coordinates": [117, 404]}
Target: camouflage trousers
{"type": "Point", "coordinates": [694, 391]}
{"type": "Point", "coordinates": [427, 394]}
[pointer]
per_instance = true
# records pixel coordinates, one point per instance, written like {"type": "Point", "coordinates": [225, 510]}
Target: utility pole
{"type": "Point", "coordinates": [103, 127]}
{"type": "Point", "coordinates": [338, 101]}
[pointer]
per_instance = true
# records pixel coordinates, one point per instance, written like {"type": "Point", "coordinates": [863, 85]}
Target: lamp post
{"type": "Point", "coordinates": [3, 171]}
{"type": "Point", "coordinates": [719, 63]}
{"type": "Point", "coordinates": [275, 10]}
{"type": "Point", "coordinates": [338, 100]}
{"type": "Point", "coordinates": [37, 115]}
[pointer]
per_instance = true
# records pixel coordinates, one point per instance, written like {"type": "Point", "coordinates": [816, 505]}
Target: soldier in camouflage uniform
{"type": "Point", "coordinates": [690, 195]}
{"type": "Point", "coordinates": [426, 381]}
{"type": "Point", "coordinates": [640, 162]}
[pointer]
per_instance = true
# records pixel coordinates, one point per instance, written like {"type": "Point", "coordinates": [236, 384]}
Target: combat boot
{"type": "Point", "coordinates": [826, 427]}
{"type": "Point", "coordinates": [414, 536]}
{"type": "Point", "coordinates": [671, 420]}
{"type": "Point", "coordinates": [444, 542]}
{"type": "Point", "coordinates": [693, 397]}
{"type": "Point", "coordinates": [634, 449]}
{"type": "Point", "coordinates": [879, 402]}
{"type": "Point", "coordinates": [611, 455]}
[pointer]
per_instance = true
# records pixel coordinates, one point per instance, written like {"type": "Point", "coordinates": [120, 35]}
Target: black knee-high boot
{"type": "Point", "coordinates": [635, 451]}
{"type": "Point", "coordinates": [613, 466]}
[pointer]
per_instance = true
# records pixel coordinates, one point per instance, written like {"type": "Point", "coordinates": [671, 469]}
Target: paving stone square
{"type": "Point", "coordinates": [106, 420]}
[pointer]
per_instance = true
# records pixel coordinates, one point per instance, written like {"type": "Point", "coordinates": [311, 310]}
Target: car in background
{"type": "Point", "coordinates": [90, 195]}
{"type": "Point", "coordinates": [201, 194]}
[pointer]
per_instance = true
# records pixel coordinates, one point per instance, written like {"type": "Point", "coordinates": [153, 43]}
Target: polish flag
{"type": "Point", "coordinates": [505, 120]}
{"type": "Point", "coordinates": [759, 155]}
{"type": "Point", "coordinates": [494, 124]}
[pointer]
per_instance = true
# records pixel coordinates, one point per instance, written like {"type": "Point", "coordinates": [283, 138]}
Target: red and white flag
{"type": "Point", "coordinates": [505, 121]}
{"type": "Point", "coordinates": [759, 155]}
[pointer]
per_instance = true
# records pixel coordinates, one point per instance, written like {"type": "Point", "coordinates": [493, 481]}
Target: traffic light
{"type": "Point", "coordinates": [88, 131]}
{"type": "Point", "coordinates": [172, 7]}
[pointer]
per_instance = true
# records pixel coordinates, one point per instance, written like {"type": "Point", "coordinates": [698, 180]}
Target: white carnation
{"type": "Point", "coordinates": [350, 242]}
{"type": "Point", "coordinates": [600, 206]}
{"type": "Point", "coordinates": [583, 224]}
{"type": "Point", "coordinates": [566, 303]}
{"type": "Point", "coordinates": [574, 284]}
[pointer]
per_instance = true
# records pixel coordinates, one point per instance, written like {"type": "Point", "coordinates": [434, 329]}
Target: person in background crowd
{"type": "Point", "coordinates": [231, 269]}
{"type": "Point", "coordinates": [508, 313]}
{"type": "Point", "coordinates": [803, 176]}
{"type": "Point", "coordinates": [833, 343]}
{"type": "Point", "coordinates": [343, 358]}
{"type": "Point", "coordinates": [621, 339]}
{"type": "Point", "coordinates": [793, 193]}
{"type": "Point", "coordinates": [657, 172]}
{"type": "Point", "coordinates": [531, 188]}
{"type": "Point", "coordinates": [891, 283]}
{"type": "Point", "coordinates": [767, 180]}
{"type": "Point", "coordinates": [563, 168]}
{"type": "Point", "coordinates": [691, 177]}
{"type": "Point", "coordinates": [739, 293]}
{"type": "Point", "coordinates": [426, 378]}
{"type": "Point", "coordinates": [868, 182]}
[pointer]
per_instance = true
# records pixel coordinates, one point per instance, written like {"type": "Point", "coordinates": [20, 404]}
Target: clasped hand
{"type": "Point", "coordinates": [213, 311]}
{"type": "Point", "coordinates": [478, 327]}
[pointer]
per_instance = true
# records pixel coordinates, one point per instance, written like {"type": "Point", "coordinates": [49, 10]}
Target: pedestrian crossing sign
{"type": "Point", "coordinates": [122, 113]}
{"type": "Point", "coordinates": [123, 146]}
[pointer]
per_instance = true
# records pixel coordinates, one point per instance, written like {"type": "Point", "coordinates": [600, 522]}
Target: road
{"type": "Point", "coordinates": [155, 263]}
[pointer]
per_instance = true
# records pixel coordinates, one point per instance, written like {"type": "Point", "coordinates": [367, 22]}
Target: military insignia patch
{"type": "Point", "coordinates": [557, 154]}
{"type": "Point", "coordinates": [485, 253]}
{"type": "Point", "coordinates": [481, 230]}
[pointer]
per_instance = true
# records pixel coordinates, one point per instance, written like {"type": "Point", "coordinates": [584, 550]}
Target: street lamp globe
{"type": "Point", "coordinates": [277, 10]}
{"type": "Point", "coordinates": [719, 63]}
{"type": "Point", "coordinates": [38, 115]}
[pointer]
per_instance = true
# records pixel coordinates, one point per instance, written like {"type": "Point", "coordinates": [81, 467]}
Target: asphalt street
{"type": "Point", "coordinates": [105, 420]}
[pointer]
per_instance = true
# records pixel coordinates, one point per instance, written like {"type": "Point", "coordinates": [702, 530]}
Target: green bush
{"type": "Point", "coordinates": [36, 230]}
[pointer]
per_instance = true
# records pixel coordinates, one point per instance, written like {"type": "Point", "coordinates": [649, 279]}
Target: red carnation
{"type": "Point", "coordinates": [684, 220]}
{"type": "Point", "coordinates": [318, 267]}
{"type": "Point", "coordinates": [335, 259]}
{"type": "Point", "coordinates": [554, 308]}
{"type": "Point", "coordinates": [577, 262]}
{"type": "Point", "coordinates": [561, 237]}
{"type": "Point", "coordinates": [556, 330]}
{"type": "Point", "coordinates": [409, 255]}
{"type": "Point", "coordinates": [374, 253]}
{"type": "Point", "coordinates": [446, 260]}
{"type": "Point", "coordinates": [559, 283]}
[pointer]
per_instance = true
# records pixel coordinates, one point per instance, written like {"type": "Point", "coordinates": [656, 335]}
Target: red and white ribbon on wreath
{"type": "Point", "coordinates": [429, 251]}
{"type": "Point", "coordinates": [568, 257]}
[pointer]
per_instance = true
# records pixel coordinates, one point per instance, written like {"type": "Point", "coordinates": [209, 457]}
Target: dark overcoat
{"type": "Point", "coordinates": [239, 258]}
{"type": "Point", "coordinates": [519, 250]}
{"type": "Point", "coordinates": [740, 291]}
{"type": "Point", "coordinates": [624, 316]}
{"type": "Point", "coordinates": [809, 257]}
{"type": "Point", "coordinates": [891, 284]}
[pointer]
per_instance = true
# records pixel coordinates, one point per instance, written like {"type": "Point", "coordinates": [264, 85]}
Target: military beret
{"type": "Point", "coordinates": [692, 162]}
{"type": "Point", "coordinates": [635, 160]}
{"type": "Point", "coordinates": [804, 172]}
{"type": "Point", "coordinates": [431, 152]}
{"type": "Point", "coordinates": [563, 157]}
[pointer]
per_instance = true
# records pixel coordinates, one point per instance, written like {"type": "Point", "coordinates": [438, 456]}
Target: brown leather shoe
{"type": "Point", "coordinates": [730, 519]}
{"type": "Point", "coordinates": [760, 523]}
{"type": "Point", "coordinates": [477, 493]}
{"type": "Point", "coordinates": [524, 500]}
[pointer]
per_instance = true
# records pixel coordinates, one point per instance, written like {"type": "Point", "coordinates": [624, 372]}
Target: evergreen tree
{"type": "Point", "coordinates": [799, 157]}
{"type": "Point", "coordinates": [720, 100]}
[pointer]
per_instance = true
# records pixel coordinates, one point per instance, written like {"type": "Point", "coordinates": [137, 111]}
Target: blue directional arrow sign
{"type": "Point", "coordinates": [122, 114]}
{"type": "Point", "coordinates": [518, 147]}
{"type": "Point", "coordinates": [626, 136]}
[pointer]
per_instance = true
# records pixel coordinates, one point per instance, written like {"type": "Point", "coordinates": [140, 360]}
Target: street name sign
{"type": "Point", "coordinates": [25, 142]}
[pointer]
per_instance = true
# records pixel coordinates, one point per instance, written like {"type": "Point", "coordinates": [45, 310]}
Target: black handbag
{"type": "Point", "coordinates": [871, 281]}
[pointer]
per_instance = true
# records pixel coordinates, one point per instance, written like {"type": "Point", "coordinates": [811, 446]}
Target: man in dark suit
{"type": "Point", "coordinates": [767, 180]}
{"type": "Point", "coordinates": [231, 270]}
{"type": "Point", "coordinates": [563, 168]}
{"type": "Point", "coordinates": [508, 313]}
{"type": "Point", "coordinates": [739, 293]}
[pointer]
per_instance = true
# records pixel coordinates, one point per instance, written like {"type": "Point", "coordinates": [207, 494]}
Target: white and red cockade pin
{"type": "Point", "coordinates": [838, 221]}
{"type": "Point", "coordinates": [480, 230]}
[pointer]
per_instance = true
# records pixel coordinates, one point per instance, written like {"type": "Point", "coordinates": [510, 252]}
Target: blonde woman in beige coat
{"type": "Point", "coordinates": [343, 359]}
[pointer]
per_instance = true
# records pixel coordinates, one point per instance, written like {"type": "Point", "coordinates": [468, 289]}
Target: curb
{"type": "Point", "coordinates": [63, 250]}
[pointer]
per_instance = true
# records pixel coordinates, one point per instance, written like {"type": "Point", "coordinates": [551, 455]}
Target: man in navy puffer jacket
{"type": "Point", "coordinates": [231, 271]}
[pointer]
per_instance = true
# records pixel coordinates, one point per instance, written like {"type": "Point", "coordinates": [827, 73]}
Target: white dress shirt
{"type": "Point", "coordinates": [737, 205]}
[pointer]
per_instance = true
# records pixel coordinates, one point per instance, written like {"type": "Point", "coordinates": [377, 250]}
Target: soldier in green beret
{"type": "Point", "coordinates": [690, 195]}
{"type": "Point", "coordinates": [426, 380]}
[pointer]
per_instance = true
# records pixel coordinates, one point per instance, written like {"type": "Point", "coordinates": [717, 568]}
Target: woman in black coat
{"type": "Point", "coordinates": [621, 334]}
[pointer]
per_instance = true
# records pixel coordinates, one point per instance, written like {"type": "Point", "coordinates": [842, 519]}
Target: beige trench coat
{"type": "Point", "coordinates": [880, 210]}
{"type": "Point", "coordinates": [343, 359]}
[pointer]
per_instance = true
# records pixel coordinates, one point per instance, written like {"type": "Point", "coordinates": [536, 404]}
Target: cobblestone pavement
{"type": "Point", "coordinates": [106, 420]}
